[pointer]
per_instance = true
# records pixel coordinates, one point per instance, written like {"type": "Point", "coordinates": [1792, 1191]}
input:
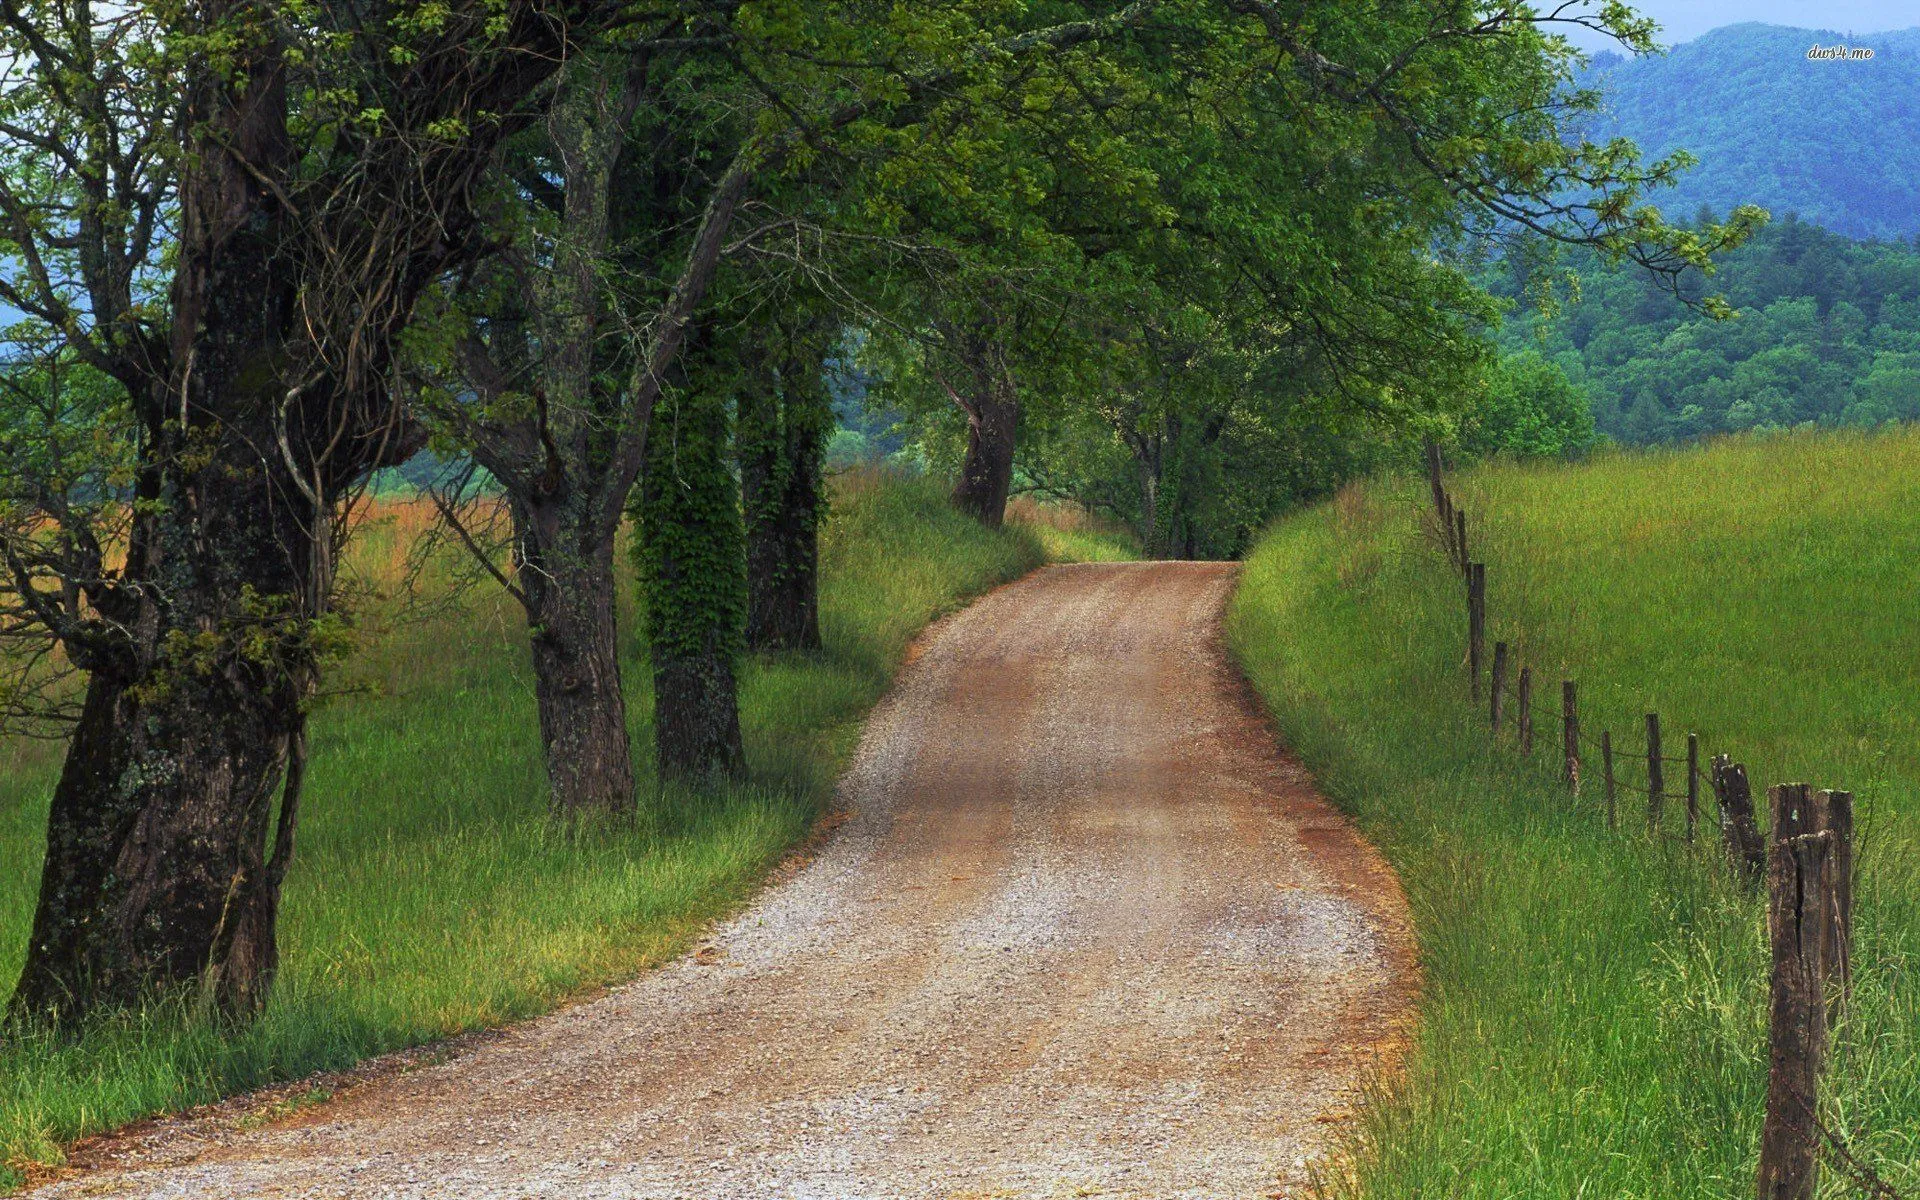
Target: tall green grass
{"type": "Point", "coordinates": [430, 895]}
{"type": "Point", "coordinates": [1071, 533]}
{"type": "Point", "coordinates": [1594, 1018]}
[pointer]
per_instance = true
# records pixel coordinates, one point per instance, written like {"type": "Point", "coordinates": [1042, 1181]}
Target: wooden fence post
{"type": "Point", "coordinates": [1460, 539]}
{"type": "Point", "coordinates": [1570, 736]}
{"type": "Point", "coordinates": [1798, 898]}
{"type": "Point", "coordinates": [1476, 621]}
{"type": "Point", "coordinates": [1746, 849]}
{"type": "Point", "coordinates": [1435, 479]}
{"type": "Point", "coordinates": [1446, 529]}
{"type": "Point", "coordinates": [1499, 683]}
{"type": "Point", "coordinates": [1789, 811]}
{"type": "Point", "coordinates": [1526, 710]}
{"type": "Point", "coordinates": [1693, 783]}
{"type": "Point", "coordinates": [1834, 812]}
{"type": "Point", "coordinates": [1656, 774]}
{"type": "Point", "coordinates": [1606, 771]}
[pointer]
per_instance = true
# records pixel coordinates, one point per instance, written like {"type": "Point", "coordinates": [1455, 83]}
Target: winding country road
{"type": "Point", "coordinates": [1086, 933]}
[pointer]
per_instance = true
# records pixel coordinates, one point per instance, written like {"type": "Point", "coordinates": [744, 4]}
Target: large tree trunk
{"type": "Point", "coordinates": [993, 420]}
{"type": "Point", "coordinates": [565, 567]}
{"type": "Point", "coordinates": [263, 410]}
{"type": "Point", "coordinates": [158, 872]}
{"type": "Point", "coordinates": [784, 422]}
{"type": "Point", "coordinates": [693, 569]}
{"type": "Point", "coordinates": [569, 598]}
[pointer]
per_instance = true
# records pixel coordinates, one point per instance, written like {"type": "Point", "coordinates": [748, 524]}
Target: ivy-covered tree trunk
{"type": "Point", "coordinates": [993, 422]}
{"type": "Point", "coordinates": [785, 418]}
{"type": "Point", "coordinates": [566, 581]}
{"type": "Point", "coordinates": [693, 571]}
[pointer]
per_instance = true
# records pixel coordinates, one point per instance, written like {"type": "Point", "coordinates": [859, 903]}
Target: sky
{"type": "Point", "coordinates": [1684, 20]}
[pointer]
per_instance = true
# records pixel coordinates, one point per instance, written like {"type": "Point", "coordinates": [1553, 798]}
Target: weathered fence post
{"type": "Point", "coordinates": [1693, 783]}
{"type": "Point", "coordinates": [1798, 898]}
{"type": "Point", "coordinates": [1499, 683]}
{"type": "Point", "coordinates": [1570, 736]}
{"type": "Point", "coordinates": [1656, 774]}
{"type": "Point", "coordinates": [1460, 539]}
{"type": "Point", "coordinates": [1446, 529]}
{"type": "Point", "coordinates": [1435, 479]}
{"type": "Point", "coordinates": [1606, 772]}
{"type": "Point", "coordinates": [1476, 621]}
{"type": "Point", "coordinates": [1746, 849]}
{"type": "Point", "coordinates": [1789, 811]}
{"type": "Point", "coordinates": [1834, 812]}
{"type": "Point", "coordinates": [1526, 710]}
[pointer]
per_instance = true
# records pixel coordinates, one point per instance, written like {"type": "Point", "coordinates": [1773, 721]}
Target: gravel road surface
{"type": "Point", "coordinates": [1086, 932]}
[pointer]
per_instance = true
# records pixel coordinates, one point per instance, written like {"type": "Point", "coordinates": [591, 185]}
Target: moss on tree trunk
{"type": "Point", "coordinates": [785, 418]}
{"type": "Point", "coordinates": [692, 559]}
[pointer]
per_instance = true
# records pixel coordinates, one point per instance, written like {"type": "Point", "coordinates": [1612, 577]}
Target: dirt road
{"type": "Point", "coordinates": [1086, 934]}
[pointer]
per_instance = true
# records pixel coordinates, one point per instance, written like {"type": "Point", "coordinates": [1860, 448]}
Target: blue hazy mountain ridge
{"type": "Point", "coordinates": [1837, 141]}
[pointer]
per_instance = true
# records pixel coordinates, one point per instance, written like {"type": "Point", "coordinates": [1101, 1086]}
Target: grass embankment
{"type": "Point", "coordinates": [1594, 1022]}
{"type": "Point", "coordinates": [430, 895]}
{"type": "Point", "coordinates": [1068, 533]}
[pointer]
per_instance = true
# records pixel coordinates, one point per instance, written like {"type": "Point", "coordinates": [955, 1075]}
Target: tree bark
{"type": "Point", "coordinates": [569, 598]}
{"type": "Point", "coordinates": [565, 568]}
{"type": "Point", "coordinates": [158, 871]}
{"type": "Point", "coordinates": [693, 570]}
{"type": "Point", "coordinates": [261, 410]}
{"type": "Point", "coordinates": [993, 421]}
{"type": "Point", "coordinates": [569, 460]}
{"type": "Point", "coordinates": [785, 417]}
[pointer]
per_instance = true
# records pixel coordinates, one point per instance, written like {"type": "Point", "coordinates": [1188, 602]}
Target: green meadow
{"type": "Point", "coordinates": [430, 895]}
{"type": "Point", "coordinates": [1593, 1022]}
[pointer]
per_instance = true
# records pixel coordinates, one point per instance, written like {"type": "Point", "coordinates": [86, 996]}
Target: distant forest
{"type": "Point", "coordinates": [1836, 142]}
{"type": "Point", "coordinates": [1827, 331]}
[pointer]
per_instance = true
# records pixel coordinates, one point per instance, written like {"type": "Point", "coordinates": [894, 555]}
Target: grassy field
{"type": "Point", "coordinates": [430, 895]}
{"type": "Point", "coordinates": [1594, 1019]}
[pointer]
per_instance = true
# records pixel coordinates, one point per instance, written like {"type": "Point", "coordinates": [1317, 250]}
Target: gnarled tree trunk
{"type": "Point", "coordinates": [158, 870]}
{"type": "Point", "coordinates": [265, 405]}
{"type": "Point", "coordinates": [556, 468]}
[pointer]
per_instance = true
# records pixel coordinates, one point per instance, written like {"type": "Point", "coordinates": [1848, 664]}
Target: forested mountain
{"type": "Point", "coordinates": [1827, 330]}
{"type": "Point", "coordinates": [1838, 142]}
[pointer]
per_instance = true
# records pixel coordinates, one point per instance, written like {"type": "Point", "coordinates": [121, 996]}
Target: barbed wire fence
{"type": "Point", "coordinates": [1804, 862]}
